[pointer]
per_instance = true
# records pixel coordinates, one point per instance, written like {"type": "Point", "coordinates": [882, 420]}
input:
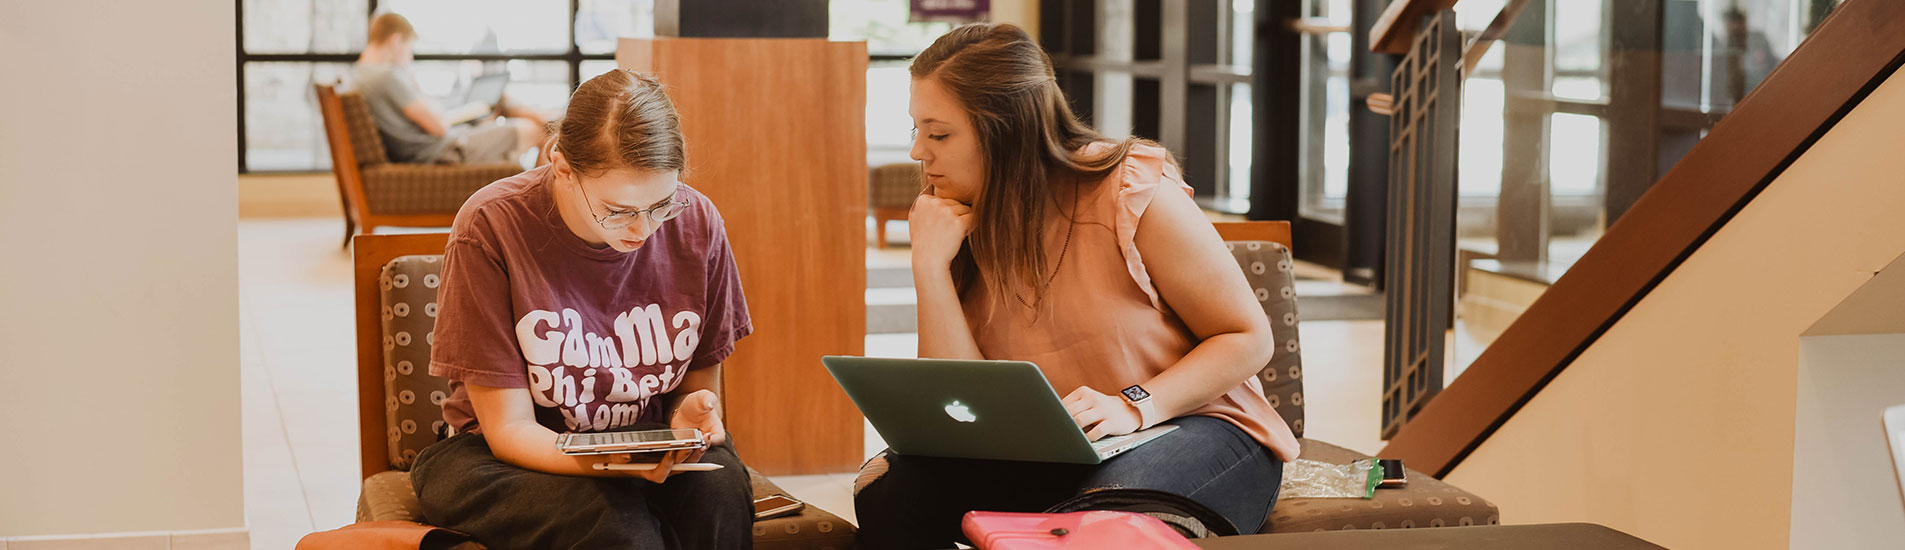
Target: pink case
{"type": "Point", "coordinates": [1076, 530]}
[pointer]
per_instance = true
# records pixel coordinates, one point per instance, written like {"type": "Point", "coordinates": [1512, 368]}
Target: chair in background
{"type": "Point", "coordinates": [891, 189]}
{"type": "Point", "coordinates": [377, 192]}
{"type": "Point", "coordinates": [400, 405]}
{"type": "Point", "coordinates": [1262, 249]}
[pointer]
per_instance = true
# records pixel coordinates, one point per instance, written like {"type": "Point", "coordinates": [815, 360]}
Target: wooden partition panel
{"type": "Point", "coordinates": [1420, 269]}
{"type": "Point", "coordinates": [776, 133]}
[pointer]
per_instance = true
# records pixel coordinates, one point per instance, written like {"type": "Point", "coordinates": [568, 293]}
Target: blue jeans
{"type": "Point", "coordinates": [462, 486]}
{"type": "Point", "coordinates": [920, 500]}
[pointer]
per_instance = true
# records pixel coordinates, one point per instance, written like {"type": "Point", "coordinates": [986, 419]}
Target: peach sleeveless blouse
{"type": "Point", "coordinates": [1103, 325]}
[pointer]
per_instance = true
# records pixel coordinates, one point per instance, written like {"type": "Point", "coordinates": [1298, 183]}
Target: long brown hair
{"type": "Point", "coordinates": [620, 119]}
{"type": "Point", "coordinates": [1031, 143]}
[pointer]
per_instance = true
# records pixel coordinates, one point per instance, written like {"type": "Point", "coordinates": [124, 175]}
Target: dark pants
{"type": "Point", "coordinates": [920, 500]}
{"type": "Point", "coordinates": [461, 486]}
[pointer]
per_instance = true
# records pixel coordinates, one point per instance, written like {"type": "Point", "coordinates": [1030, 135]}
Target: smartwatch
{"type": "Point", "coordinates": [1147, 415]}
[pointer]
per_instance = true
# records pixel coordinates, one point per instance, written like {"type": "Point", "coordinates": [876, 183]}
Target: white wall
{"type": "Point", "coordinates": [118, 267]}
{"type": "Point", "coordinates": [1844, 491]}
{"type": "Point", "coordinates": [1677, 424]}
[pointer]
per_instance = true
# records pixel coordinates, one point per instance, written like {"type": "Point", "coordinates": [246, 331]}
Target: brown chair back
{"type": "Point", "coordinates": [345, 154]}
{"type": "Point", "coordinates": [894, 185]}
{"type": "Point", "coordinates": [369, 255]}
{"type": "Point", "coordinates": [1273, 231]}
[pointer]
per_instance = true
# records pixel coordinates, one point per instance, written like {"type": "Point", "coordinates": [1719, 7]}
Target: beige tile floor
{"type": "Point", "coordinates": [299, 421]}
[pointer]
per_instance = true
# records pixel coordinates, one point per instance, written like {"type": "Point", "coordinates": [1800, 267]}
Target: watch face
{"type": "Point", "coordinates": [1136, 394]}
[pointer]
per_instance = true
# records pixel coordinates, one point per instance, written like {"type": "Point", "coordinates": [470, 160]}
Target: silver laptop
{"type": "Point", "coordinates": [480, 99]}
{"type": "Point", "coordinates": [998, 410]}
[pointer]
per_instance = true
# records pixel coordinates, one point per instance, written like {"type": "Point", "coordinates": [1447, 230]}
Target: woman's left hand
{"type": "Point", "coordinates": [698, 410]}
{"type": "Point", "coordinates": [1101, 415]}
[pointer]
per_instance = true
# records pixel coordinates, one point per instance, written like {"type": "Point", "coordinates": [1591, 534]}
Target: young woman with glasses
{"type": "Point", "coordinates": [595, 293]}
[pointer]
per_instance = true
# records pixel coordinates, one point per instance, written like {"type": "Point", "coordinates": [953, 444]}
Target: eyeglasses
{"type": "Point", "coordinates": [618, 220]}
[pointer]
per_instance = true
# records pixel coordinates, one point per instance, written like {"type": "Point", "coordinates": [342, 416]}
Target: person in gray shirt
{"type": "Point", "coordinates": [414, 130]}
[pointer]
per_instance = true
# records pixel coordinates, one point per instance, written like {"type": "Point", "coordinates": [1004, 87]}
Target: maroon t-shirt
{"type": "Point", "coordinates": [595, 335]}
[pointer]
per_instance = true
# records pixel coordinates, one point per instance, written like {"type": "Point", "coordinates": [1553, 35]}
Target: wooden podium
{"type": "Point", "coordinates": [776, 132]}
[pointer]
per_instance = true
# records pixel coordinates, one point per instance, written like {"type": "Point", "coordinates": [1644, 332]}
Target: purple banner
{"type": "Point", "coordinates": [951, 11]}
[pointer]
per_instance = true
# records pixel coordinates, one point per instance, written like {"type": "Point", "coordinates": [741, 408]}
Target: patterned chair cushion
{"type": "Point", "coordinates": [390, 495]}
{"type": "Point", "coordinates": [1271, 273]}
{"type": "Point", "coordinates": [1425, 502]}
{"type": "Point", "coordinates": [365, 141]}
{"type": "Point", "coordinates": [393, 188]}
{"type": "Point", "coordinates": [894, 185]}
{"type": "Point", "coordinates": [413, 399]}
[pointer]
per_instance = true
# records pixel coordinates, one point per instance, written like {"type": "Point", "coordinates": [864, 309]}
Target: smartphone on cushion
{"type": "Point", "coordinates": [774, 506]}
{"type": "Point", "coordinates": [1392, 474]}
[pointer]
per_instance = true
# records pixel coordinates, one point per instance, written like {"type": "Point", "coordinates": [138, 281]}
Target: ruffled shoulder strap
{"type": "Point", "coordinates": [1142, 174]}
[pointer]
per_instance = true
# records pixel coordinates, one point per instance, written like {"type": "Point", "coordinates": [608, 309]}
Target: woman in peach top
{"type": "Point", "coordinates": [1039, 239]}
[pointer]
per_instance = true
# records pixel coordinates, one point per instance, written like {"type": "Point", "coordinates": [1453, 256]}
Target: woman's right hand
{"type": "Point", "coordinates": [939, 227]}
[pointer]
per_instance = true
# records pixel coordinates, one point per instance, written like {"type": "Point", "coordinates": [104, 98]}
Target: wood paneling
{"type": "Point", "coordinates": [776, 132]}
{"type": "Point", "coordinates": [1832, 71]}
{"type": "Point", "coordinates": [369, 253]}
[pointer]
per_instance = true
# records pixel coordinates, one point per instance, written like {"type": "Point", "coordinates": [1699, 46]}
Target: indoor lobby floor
{"type": "Point", "coordinates": [298, 383]}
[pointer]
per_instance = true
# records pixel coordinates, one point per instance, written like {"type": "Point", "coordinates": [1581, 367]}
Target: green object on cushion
{"type": "Point", "coordinates": [1375, 477]}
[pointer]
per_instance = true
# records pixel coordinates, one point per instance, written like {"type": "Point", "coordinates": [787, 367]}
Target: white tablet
{"type": "Point", "coordinates": [645, 441]}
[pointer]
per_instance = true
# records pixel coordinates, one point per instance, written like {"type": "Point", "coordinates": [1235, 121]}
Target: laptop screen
{"type": "Point", "coordinates": [488, 89]}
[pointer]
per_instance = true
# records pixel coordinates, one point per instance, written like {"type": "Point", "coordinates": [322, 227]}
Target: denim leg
{"type": "Point", "coordinates": [920, 501]}
{"type": "Point", "coordinates": [712, 510]}
{"type": "Point", "coordinates": [462, 486]}
{"type": "Point", "coordinates": [1206, 459]}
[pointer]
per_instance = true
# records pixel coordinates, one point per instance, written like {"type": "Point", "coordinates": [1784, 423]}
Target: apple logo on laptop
{"type": "Point", "coordinates": [958, 411]}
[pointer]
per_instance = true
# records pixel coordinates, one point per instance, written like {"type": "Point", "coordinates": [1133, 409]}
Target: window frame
{"type": "Point", "coordinates": [573, 57]}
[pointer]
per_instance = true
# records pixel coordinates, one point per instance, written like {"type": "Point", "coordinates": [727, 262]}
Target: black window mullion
{"type": "Point", "coordinates": [243, 165]}
{"type": "Point", "coordinates": [575, 50]}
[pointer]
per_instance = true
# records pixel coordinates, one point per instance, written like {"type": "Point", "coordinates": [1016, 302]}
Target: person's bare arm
{"type": "Point", "coordinates": [509, 425]}
{"type": "Point", "coordinates": [1198, 278]}
{"type": "Point", "coordinates": [426, 116]}
{"type": "Point", "coordinates": [939, 229]}
{"type": "Point", "coordinates": [512, 109]}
